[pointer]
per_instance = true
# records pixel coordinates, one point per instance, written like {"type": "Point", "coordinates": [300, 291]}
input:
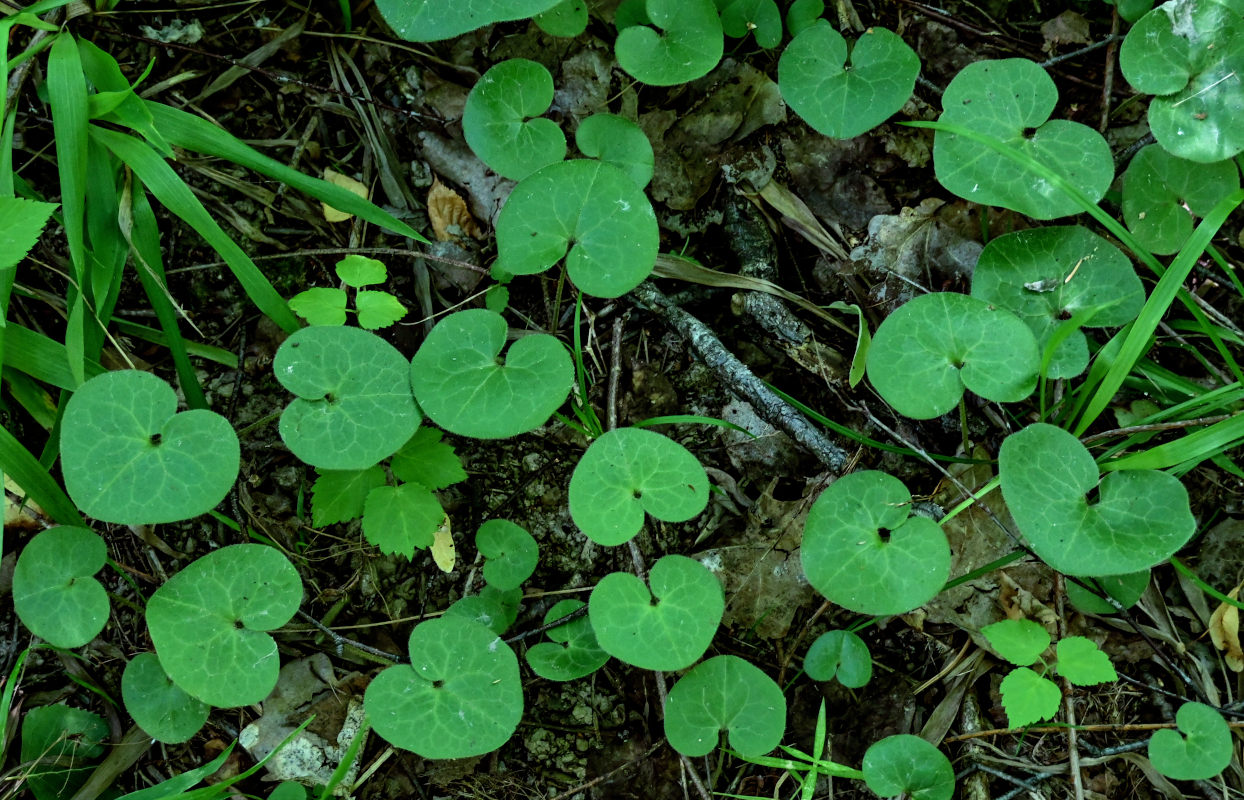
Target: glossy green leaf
{"type": "Point", "coordinates": [1083, 663]}
{"type": "Point", "coordinates": [802, 14]}
{"type": "Point", "coordinates": [929, 349]}
{"type": "Point", "coordinates": [761, 18]}
{"type": "Point", "coordinates": [909, 766]}
{"type": "Point", "coordinates": [128, 457]}
{"type": "Point", "coordinates": [212, 619]}
{"type": "Point", "coordinates": [320, 305]}
{"type": "Point", "coordinates": [725, 693]}
{"type": "Point", "coordinates": [1199, 750]}
{"type": "Point", "coordinates": [460, 696]}
{"type": "Point", "coordinates": [628, 472]}
{"type": "Point", "coordinates": [60, 746]}
{"type": "Point", "coordinates": [573, 652]}
{"type": "Point", "coordinates": [401, 519]}
{"type": "Point", "coordinates": [498, 124]}
{"type": "Point", "coordinates": [160, 707]}
{"type": "Point", "coordinates": [588, 212]}
{"type": "Point", "coordinates": [1125, 589]}
{"type": "Point", "coordinates": [1162, 194]}
{"type": "Point", "coordinates": [847, 558]}
{"type": "Point", "coordinates": [54, 593]}
{"type": "Point", "coordinates": [433, 20]}
{"type": "Point", "coordinates": [1138, 519]}
{"type": "Point", "coordinates": [1011, 101]}
{"type": "Point", "coordinates": [842, 655]}
{"type": "Point", "coordinates": [495, 609]}
{"type": "Point", "coordinates": [568, 18]}
{"type": "Point", "coordinates": [427, 460]}
{"type": "Point", "coordinates": [843, 95]}
{"type": "Point", "coordinates": [462, 386]}
{"type": "Point", "coordinates": [1020, 641]}
{"type": "Point", "coordinates": [377, 309]}
{"type": "Point", "coordinates": [354, 404]}
{"type": "Point", "coordinates": [358, 271]}
{"type": "Point", "coordinates": [618, 141]}
{"type": "Point", "coordinates": [339, 495]}
{"type": "Point", "coordinates": [688, 45]}
{"type": "Point", "coordinates": [511, 553]}
{"type": "Point", "coordinates": [1046, 275]}
{"type": "Point", "coordinates": [667, 628]}
{"type": "Point", "coordinates": [1028, 697]}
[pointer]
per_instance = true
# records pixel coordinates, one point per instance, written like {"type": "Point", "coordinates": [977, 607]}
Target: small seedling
{"type": "Point", "coordinates": [842, 655]}
{"type": "Point", "coordinates": [725, 693]}
{"type": "Point", "coordinates": [760, 18]}
{"type": "Point", "coordinates": [511, 553]}
{"type": "Point", "coordinates": [327, 306]}
{"type": "Point", "coordinates": [54, 594]}
{"type": "Point", "coordinates": [689, 45]}
{"type": "Point", "coordinates": [1199, 750]}
{"type": "Point", "coordinates": [573, 652]}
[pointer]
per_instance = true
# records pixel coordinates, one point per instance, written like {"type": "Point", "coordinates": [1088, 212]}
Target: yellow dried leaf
{"type": "Point", "coordinates": [443, 552]}
{"type": "Point", "coordinates": [18, 515]}
{"type": "Point", "coordinates": [1224, 631]}
{"type": "Point", "coordinates": [449, 215]}
{"type": "Point", "coordinates": [345, 182]}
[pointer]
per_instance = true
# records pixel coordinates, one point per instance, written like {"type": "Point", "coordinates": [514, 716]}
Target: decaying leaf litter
{"type": "Point", "coordinates": [780, 221]}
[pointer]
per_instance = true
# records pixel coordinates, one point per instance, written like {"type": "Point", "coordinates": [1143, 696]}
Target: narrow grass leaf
{"type": "Point", "coordinates": [17, 462]}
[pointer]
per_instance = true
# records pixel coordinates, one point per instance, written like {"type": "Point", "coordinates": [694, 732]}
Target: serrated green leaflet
{"type": "Point", "coordinates": [128, 457]}
{"type": "Point", "coordinates": [567, 18]}
{"type": "Point", "coordinates": [1020, 641]}
{"type": "Point", "coordinates": [1199, 750]}
{"type": "Point", "coordinates": [462, 387]}
{"type": "Point", "coordinates": [1190, 53]}
{"type": "Point", "coordinates": [23, 224]}
{"type": "Point", "coordinates": [354, 404]}
{"type": "Point", "coordinates": [54, 594]}
{"type": "Point", "coordinates": [843, 96]}
{"type": "Point", "coordinates": [630, 471]}
{"type": "Point", "coordinates": [689, 45]}
{"type": "Point", "coordinates": [1126, 589]}
{"type": "Point", "coordinates": [433, 20]}
{"type": "Point", "coordinates": [377, 309]}
{"type": "Point", "coordinates": [846, 558]}
{"type": "Point", "coordinates": [725, 693]}
{"type": "Point", "coordinates": [498, 124]}
{"type": "Point", "coordinates": [618, 141]}
{"type": "Point", "coordinates": [427, 460]}
{"type": "Point", "coordinates": [1083, 663]}
{"type": "Point", "coordinates": [339, 495]}
{"type": "Point", "coordinates": [159, 706]}
{"type": "Point", "coordinates": [842, 655]}
{"type": "Point", "coordinates": [908, 765]}
{"type": "Point", "coordinates": [588, 212]}
{"type": "Point", "coordinates": [1046, 275]}
{"type": "Point", "coordinates": [460, 696]}
{"type": "Point", "coordinates": [1028, 697]}
{"type": "Point", "coordinates": [1140, 519]}
{"type": "Point", "coordinates": [401, 519]}
{"type": "Point", "coordinates": [511, 553]}
{"type": "Point", "coordinates": [929, 349]}
{"type": "Point", "coordinates": [667, 628]}
{"type": "Point", "coordinates": [1162, 194]}
{"type": "Point", "coordinates": [358, 271]}
{"type": "Point", "coordinates": [495, 609]}
{"type": "Point", "coordinates": [320, 305]}
{"type": "Point", "coordinates": [574, 652]}
{"type": "Point", "coordinates": [1011, 100]}
{"type": "Point", "coordinates": [212, 618]}
{"type": "Point", "coordinates": [761, 18]}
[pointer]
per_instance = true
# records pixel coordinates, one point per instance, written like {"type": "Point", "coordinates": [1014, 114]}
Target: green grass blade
{"type": "Point", "coordinates": [42, 358]}
{"type": "Point", "coordinates": [32, 397]}
{"type": "Point", "coordinates": [1187, 450]}
{"type": "Point", "coordinates": [207, 352]}
{"type": "Point", "coordinates": [17, 462]}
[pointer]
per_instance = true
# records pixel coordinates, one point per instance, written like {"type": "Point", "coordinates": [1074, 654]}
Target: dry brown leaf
{"type": "Point", "coordinates": [1224, 631]}
{"type": "Point", "coordinates": [349, 184]}
{"type": "Point", "coordinates": [443, 552]}
{"type": "Point", "coordinates": [20, 512]}
{"type": "Point", "coordinates": [449, 215]}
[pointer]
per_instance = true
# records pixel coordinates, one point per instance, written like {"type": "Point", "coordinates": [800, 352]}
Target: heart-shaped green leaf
{"type": "Point", "coordinates": [843, 96]}
{"type": "Point", "coordinates": [761, 18]}
{"type": "Point", "coordinates": [498, 124]}
{"type": "Point", "coordinates": [909, 766]}
{"type": "Point", "coordinates": [1083, 663]}
{"type": "Point", "coordinates": [690, 43]}
{"type": "Point", "coordinates": [1045, 275]}
{"type": "Point", "coordinates": [1141, 517]}
{"type": "Point", "coordinates": [1124, 589]}
{"type": "Point", "coordinates": [567, 18]}
{"type": "Point", "coordinates": [1011, 101]}
{"type": "Point", "coordinates": [460, 696]}
{"type": "Point", "coordinates": [54, 594]}
{"type": "Point", "coordinates": [1020, 641]}
{"type": "Point", "coordinates": [618, 141]}
{"type": "Point", "coordinates": [802, 15]}
{"type": "Point", "coordinates": [354, 405]}
{"type": "Point", "coordinates": [1163, 193]}
{"type": "Point", "coordinates": [666, 629]}
{"type": "Point", "coordinates": [863, 551]}
{"type": "Point", "coordinates": [574, 652]}
{"type": "Point", "coordinates": [60, 745]}
{"type": "Point", "coordinates": [511, 553]}
{"type": "Point", "coordinates": [462, 386]}
{"type": "Point", "coordinates": [725, 693]}
{"type": "Point", "coordinates": [629, 471]}
{"type": "Point", "coordinates": [590, 213]}
{"type": "Point", "coordinates": [128, 457]}
{"type": "Point", "coordinates": [929, 349]}
{"type": "Point", "coordinates": [159, 706]}
{"type": "Point", "coordinates": [212, 618]}
{"type": "Point", "coordinates": [433, 20]}
{"type": "Point", "coordinates": [842, 655]}
{"type": "Point", "coordinates": [1028, 697]}
{"type": "Point", "coordinates": [427, 460]}
{"type": "Point", "coordinates": [402, 519]}
{"type": "Point", "coordinates": [495, 609]}
{"type": "Point", "coordinates": [340, 495]}
{"type": "Point", "coordinates": [1190, 53]}
{"type": "Point", "coordinates": [1199, 750]}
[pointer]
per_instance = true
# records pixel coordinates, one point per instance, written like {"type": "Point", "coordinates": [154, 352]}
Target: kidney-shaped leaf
{"type": "Point", "coordinates": [761, 18]}
{"type": "Point", "coordinates": [1011, 101]}
{"type": "Point", "coordinates": [433, 20]}
{"type": "Point", "coordinates": [54, 594]}
{"type": "Point", "coordinates": [211, 619]}
{"type": "Point", "coordinates": [929, 349]}
{"type": "Point", "coordinates": [629, 471]}
{"type": "Point", "coordinates": [462, 387]}
{"type": "Point", "coordinates": [128, 457]}
{"type": "Point", "coordinates": [1045, 275]}
{"type": "Point", "coordinates": [842, 655]}
{"type": "Point", "coordinates": [511, 553]}
{"type": "Point", "coordinates": [353, 405]}
{"type": "Point", "coordinates": [460, 696]}
{"type": "Point", "coordinates": [593, 209]}
{"type": "Point", "coordinates": [909, 766]}
{"type": "Point", "coordinates": [574, 651]}
{"type": "Point", "coordinates": [665, 629]}
{"type": "Point", "coordinates": [725, 693]}
{"type": "Point", "coordinates": [497, 119]}
{"type": "Point", "coordinates": [1162, 194]}
{"type": "Point", "coordinates": [863, 551]}
{"type": "Point", "coordinates": [618, 141]}
{"type": "Point", "coordinates": [159, 706]}
{"type": "Point", "coordinates": [843, 96]}
{"type": "Point", "coordinates": [690, 43]}
{"type": "Point", "coordinates": [1139, 519]}
{"type": "Point", "coordinates": [567, 18]}
{"type": "Point", "coordinates": [1199, 750]}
